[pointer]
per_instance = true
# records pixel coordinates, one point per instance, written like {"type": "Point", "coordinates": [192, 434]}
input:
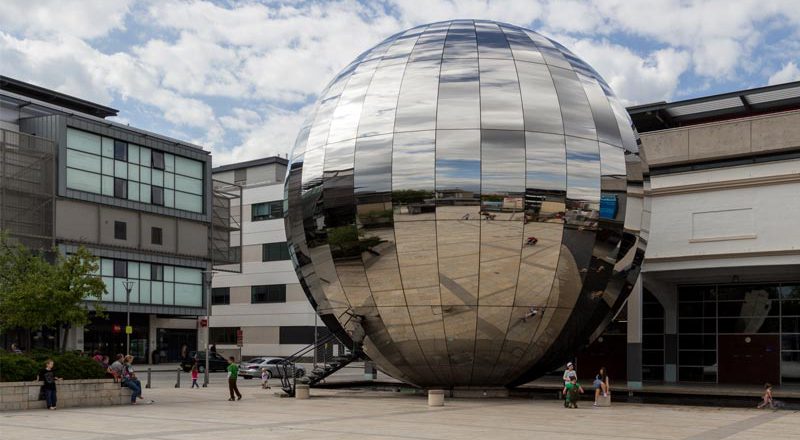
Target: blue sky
{"type": "Point", "coordinates": [238, 76]}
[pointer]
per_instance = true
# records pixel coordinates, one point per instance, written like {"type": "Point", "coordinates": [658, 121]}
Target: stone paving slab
{"type": "Point", "coordinates": [198, 414]}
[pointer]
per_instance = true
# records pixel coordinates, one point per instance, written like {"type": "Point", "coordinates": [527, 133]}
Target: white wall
{"type": "Point", "coordinates": [745, 210]}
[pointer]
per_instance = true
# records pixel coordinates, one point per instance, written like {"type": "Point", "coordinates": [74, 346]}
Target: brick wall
{"type": "Point", "coordinates": [86, 392]}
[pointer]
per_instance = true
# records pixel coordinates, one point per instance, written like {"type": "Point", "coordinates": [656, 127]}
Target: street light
{"type": "Point", "coordinates": [128, 285]}
{"type": "Point", "coordinates": [210, 274]}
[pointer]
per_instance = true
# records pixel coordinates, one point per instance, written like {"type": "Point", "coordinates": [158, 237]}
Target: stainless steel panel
{"type": "Point", "coordinates": [463, 186]}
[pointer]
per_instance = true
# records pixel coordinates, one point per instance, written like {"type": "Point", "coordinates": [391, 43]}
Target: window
{"type": "Point", "coordinates": [267, 210]}
{"type": "Point", "coordinates": [156, 235]}
{"type": "Point", "coordinates": [120, 269]}
{"type": "Point", "coordinates": [156, 272]}
{"type": "Point", "coordinates": [275, 251]}
{"type": "Point", "coordinates": [120, 230]}
{"type": "Point", "coordinates": [157, 195]}
{"type": "Point", "coordinates": [273, 293]}
{"type": "Point", "coordinates": [300, 334]}
{"type": "Point", "coordinates": [222, 335]}
{"type": "Point", "coordinates": [157, 158]}
{"type": "Point", "coordinates": [120, 150]}
{"type": "Point", "coordinates": [120, 188]}
{"type": "Point", "coordinates": [240, 176]}
{"type": "Point", "coordinates": [220, 296]}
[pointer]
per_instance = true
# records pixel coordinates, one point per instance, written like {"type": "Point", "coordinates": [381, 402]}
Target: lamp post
{"type": "Point", "coordinates": [209, 280]}
{"type": "Point", "coordinates": [128, 285]}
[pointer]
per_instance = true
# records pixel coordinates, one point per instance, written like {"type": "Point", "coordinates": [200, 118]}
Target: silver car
{"type": "Point", "coordinates": [252, 368]}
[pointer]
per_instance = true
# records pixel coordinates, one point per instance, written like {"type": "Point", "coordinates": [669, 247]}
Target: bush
{"type": "Point", "coordinates": [24, 367]}
{"type": "Point", "coordinates": [17, 368]}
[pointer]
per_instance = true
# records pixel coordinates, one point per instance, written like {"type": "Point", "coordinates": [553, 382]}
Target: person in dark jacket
{"type": "Point", "coordinates": [48, 376]}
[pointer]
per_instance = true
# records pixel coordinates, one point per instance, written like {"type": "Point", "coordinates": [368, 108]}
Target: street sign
{"type": "Point", "coordinates": [239, 337]}
{"type": "Point", "coordinates": [128, 329]}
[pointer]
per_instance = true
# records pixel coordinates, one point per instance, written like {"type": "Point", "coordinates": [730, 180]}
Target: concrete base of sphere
{"type": "Point", "coordinates": [302, 391]}
{"type": "Point", "coordinates": [435, 397]}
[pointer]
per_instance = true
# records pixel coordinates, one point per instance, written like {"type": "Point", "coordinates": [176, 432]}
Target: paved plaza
{"type": "Point", "coordinates": [199, 414]}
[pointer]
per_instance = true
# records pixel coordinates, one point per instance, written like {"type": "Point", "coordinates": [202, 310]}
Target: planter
{"type": "Point", "coordinates": [71, 393]}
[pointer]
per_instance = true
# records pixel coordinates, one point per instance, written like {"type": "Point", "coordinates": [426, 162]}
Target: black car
{"type": "Point", "coordinates": [215, 362]}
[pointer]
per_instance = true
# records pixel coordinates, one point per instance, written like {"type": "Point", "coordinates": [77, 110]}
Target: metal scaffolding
{"type": "Point", "coordinates": [27, 188]}
{"type": "Point", "coordinates": [226, 227]}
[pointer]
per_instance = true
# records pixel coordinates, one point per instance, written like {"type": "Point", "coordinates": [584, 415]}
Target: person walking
{"type": "Point", "coordinates": [601, 384]}
{"type": "Point", "coordinates": [766, 399]}
{"type": "Point", "coordinates": [233, 374]}
{"type": "Point", "coordinates": [48, 376]}
{"type": "Point", "coordinates": [195, 375]}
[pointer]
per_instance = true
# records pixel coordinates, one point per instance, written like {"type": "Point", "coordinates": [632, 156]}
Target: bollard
{"type": "Point", "coordinates": [178, 378]}
{"type": "Point", "coordinates": [148, 378]}
{"type": "Point", "coordinates": [435, 397]}
{"type": "Point", "coordinates": [302, 391]}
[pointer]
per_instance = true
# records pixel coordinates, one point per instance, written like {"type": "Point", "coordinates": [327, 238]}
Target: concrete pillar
{"type": "Point", "coordinates": [667, 295]}
{"type": "Point", "coordinates": [74, 338]}
{"type": "Point", "coordinates": [302, 391]}
{"type": "Point", "coordinates": [152, 336]}
{"type": "Point", "coordinates": [435, 397]}
{"type": "Point", "coordinates": [634, 358]}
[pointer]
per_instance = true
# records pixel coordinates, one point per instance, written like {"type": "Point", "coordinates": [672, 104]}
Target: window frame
{"type": "Point", "coordinates": [120, 146]}
{"type": "Point", "coordinates": [269, 252]}
{"type": "Point", "coordinates": [220, 292]}
{"type": "Point", "coordinates": [156, 272]}
{"type": "Point", "coordinates": [154, 163]}
{"type": "Point", "coordinates": [122, 185]}
{"type": "Point", "coordinates": [153, 235]}
{"type": "Point", "coordinates": [272, 207]}
{"type": "Point", "coordinates": [272, 294]}
{"type": "Point", "coordinates": [122, 265]}
{"type": "Point", "coordinates": [156, 190]}
{"type": "Point", "coordinates": [120, 230]}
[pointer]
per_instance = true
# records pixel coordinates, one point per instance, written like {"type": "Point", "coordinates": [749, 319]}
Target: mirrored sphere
{"type": "Point", "coordinates": [469, 192]}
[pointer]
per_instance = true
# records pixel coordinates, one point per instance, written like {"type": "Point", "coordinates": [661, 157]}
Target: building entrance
{"type": "Point", "coordinates": [749, 359]}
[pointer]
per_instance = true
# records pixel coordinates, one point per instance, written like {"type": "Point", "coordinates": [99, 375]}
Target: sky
{"type": "Point", "coordinates": [238, 77]}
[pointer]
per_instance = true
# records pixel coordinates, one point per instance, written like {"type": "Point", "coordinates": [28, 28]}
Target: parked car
{"type": "Point", "coordinates": [252, 368]}
{"type": "Point", "coordinates": [215, 362]}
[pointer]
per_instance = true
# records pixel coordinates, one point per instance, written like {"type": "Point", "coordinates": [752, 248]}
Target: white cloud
{"type": "Point", "coordinates": [77, 18]}
{"type": "Point", "coordinates": [789, 72]}
{"type": "Point", "coordinates": [238, 77]}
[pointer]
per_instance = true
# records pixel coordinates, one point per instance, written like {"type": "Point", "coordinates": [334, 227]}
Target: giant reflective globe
{"type": "Point", "coordinates": [467, 196]}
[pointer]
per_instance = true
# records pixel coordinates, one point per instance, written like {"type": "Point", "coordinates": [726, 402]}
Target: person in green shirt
{"type": "Point", "coordinates": [233, 374]}
{"type": "Point", "coordinates": [572, 392]}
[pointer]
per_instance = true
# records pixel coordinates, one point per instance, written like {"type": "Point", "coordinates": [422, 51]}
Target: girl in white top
{"type": "Point", "coordinates": [569, 372]}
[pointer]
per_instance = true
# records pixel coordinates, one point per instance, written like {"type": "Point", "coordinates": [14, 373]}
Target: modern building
{"type": "Point", "coordinates": [263, 308]}
{"type": "Point", "coordinates": [720, 297]}
{"type": "Point", "coordinates": [140, 201]}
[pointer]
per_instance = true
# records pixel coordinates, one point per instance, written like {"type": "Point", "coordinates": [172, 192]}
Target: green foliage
{"type": "Point", "coordinates": [24, 367]}
{"type": "Point", "coordinates": [17, 368]}
{"type": "Point", "coordinates": [36, 294]}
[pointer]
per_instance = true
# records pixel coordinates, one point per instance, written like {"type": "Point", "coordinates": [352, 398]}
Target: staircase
{"type": "Point", "coordinates": [323, 370]}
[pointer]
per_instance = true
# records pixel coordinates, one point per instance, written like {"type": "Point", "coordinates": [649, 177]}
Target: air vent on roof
{"type": "Point", "coordinates": [774, 95]}
{"type": "Point", "coordinates": [716, 105]}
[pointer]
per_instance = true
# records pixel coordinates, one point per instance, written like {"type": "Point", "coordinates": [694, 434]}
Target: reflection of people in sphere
{"type": "Point", "coordinates": [358, 333]}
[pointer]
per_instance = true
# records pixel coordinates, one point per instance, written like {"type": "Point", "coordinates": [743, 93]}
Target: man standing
{"type": "Point", "coordinates": [233, 374]}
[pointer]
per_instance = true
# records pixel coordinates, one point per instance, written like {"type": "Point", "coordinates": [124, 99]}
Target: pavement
{"type": "Point", "coordinates": [197, 414]}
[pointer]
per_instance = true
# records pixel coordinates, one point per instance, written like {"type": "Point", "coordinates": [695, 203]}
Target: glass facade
{"type": "Point", "coordinates": [710, 314]}
{"type": "Point", "coordinates": [155, 284]}
{"type": "Point", "coordinates": [114, 168]}
{"type": "Point", "coordinates": [447, 188]}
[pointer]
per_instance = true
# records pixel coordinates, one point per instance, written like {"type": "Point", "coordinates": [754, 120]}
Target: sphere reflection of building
{"type": "Point", "coordinates": [471, 191]}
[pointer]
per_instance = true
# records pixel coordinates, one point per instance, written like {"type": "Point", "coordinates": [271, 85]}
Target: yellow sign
{"type": "Point", "coordinates": [128, 329]}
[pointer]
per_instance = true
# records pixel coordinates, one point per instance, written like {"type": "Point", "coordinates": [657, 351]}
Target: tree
{"type": "Point", "coordinates": [36, 294]}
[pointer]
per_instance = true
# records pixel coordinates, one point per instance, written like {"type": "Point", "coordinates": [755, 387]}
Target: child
{"type": "Point", "coordinates": [571, 393]}
{"type": "Point", "coordinates": [264, 378]}
{"type": "Point", "coordinates": [48, 376]}
{"type": "Point", "coordinates": [767, 398]}
{"type": "Point", "coordinates": [195, 374]}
